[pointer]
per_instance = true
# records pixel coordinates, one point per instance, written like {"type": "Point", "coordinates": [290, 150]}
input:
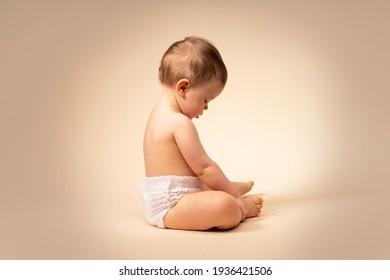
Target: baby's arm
{"type": "Point", "coordinates": [241, 187]}
{"type": "Point", "coordinates": [207, 170]}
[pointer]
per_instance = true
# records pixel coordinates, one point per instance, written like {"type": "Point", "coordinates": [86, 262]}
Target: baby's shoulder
{"type": "Point", "coordinates": [180, 122]}
{"type": "Point", "coordinates": [169, 122]}
{"type": "Point", "coordinates": [179, 118]}
{"type": "Point", "coordinates": [174, 123]}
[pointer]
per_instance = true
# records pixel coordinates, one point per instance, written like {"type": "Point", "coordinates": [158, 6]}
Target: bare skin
{"type": "Point", "coordinates": [192, 212]}
{"type": "Point", "coordinates": [243, 187]}
{"type": "Point", "coordinates": [172, 147]}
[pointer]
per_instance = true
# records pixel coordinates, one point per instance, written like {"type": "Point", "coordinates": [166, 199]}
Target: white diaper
{"type": "Point", "coordinates": [159, 194]}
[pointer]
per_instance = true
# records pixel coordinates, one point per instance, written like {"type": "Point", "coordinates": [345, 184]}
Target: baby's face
{"type": "Point", "coordinates": [197, 98]}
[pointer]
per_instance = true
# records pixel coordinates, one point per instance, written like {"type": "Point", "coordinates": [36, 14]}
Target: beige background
{"type": "Point", "coordinates": [305, 114]}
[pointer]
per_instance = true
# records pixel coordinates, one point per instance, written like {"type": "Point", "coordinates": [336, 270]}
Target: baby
{"type": "Point", "coordinates": [184, 188]}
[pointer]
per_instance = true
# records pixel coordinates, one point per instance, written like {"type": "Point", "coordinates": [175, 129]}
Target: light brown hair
{"type": "Point", "coordinates": [195, 59]}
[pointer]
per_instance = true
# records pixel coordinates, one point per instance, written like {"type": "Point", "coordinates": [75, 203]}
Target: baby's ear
{"type": "Point", "coordinates": [182, 86]}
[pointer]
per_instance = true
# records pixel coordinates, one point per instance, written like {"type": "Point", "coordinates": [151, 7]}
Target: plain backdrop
{"type": "Point", "coordinates": [305, 114]}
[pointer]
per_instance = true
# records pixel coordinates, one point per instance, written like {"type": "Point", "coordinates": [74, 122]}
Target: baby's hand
{"type": "Point", "coordinates": [243, 187]}
{"type": "Point", "coordinates": [241, 204]}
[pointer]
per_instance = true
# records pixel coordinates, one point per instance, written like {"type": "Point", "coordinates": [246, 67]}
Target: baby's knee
{"type": "Point", "coordinates": [226, 202]}
{"type": "Point", "coordinates": [228, 210]}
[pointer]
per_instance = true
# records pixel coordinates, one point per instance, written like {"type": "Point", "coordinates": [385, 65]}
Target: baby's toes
{"type": "Point", "coordinates": [259, 204]}
{"type": "Point", "coordinates": [258, 209]}
{"type": "Point", "coordinates": [258, 200]}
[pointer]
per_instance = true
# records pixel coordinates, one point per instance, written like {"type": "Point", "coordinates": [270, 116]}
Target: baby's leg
{"type": "Point", "coordinates": [203, 211]}
{"type": "Point", "coordinates": [209, 209]}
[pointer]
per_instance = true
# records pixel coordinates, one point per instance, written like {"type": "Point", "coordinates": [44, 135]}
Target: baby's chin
{"type": "Point", "coordinates": [194, 117]}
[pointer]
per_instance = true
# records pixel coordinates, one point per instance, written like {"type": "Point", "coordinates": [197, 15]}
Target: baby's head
{"type": "Point", "coordinates": [194, 59]}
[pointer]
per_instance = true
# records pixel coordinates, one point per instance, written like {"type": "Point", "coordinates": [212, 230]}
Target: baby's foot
{"type": "Point", "coordinates": [243, 187]}
{"type": "Point", "coordinates": [253, 206]}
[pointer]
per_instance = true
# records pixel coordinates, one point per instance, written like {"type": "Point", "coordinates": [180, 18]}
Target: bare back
{"type": "Point", "coordinates": [161, 153]}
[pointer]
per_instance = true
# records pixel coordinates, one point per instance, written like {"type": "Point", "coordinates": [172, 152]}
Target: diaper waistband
{"type": "Point", "coordinates": [172, 180]}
